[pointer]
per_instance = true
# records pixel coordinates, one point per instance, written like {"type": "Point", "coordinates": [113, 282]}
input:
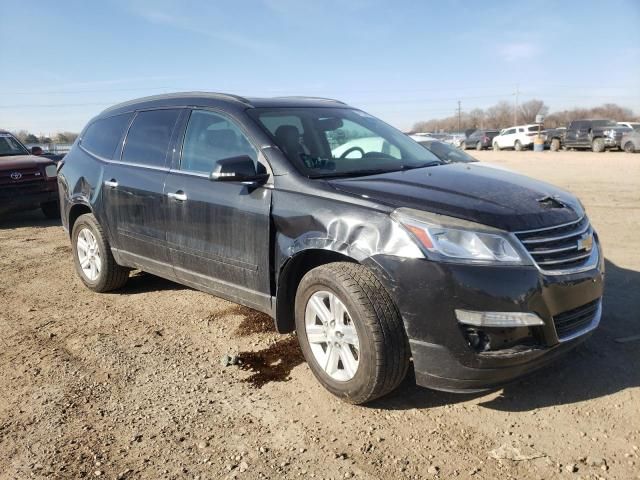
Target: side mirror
{"type": "Point", "coordinates": [239, 169]}
{"type": "Point", "coordinates": [36, 151]}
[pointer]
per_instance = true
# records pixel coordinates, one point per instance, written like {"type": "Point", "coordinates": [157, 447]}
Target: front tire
{"type": "Point", "coordinates": [496, 147]}
{"type": "Point", "coordinates": [350, 332]}
{"type": "Point", "coordinates": [479, 146]}
{"type": "Point", "coordinates": [463, 145]}
{"type": "Point", "coordinates": [92, 256]}
{"type": "Point", "coordinates": [555, 145]}
{"type": "Point", "coordinates": [629, 147]}
{"type": "Point", "coordinates": [597, 145]}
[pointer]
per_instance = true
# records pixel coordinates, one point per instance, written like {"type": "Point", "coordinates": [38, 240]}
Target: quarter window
{"type": "Point", "coordinates": [103, 135]}
{"type": "Point", "coordinates": [149, 136]}
{"type": "Point", "coordinates": [211, 137]}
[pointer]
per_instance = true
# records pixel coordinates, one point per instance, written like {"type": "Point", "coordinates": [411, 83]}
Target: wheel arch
{"type": "Point", "coordinates": [289, 277]}
{"type": "Point", "coordinates": [75, 211]}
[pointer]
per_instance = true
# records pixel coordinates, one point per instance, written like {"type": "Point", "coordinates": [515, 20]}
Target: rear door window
{"type": "Point", "coordinates": [148, 139]}
{"type": "Point", "coordinates": [511, 131]}
{"type": "Point", "coordinates": [102, 136]}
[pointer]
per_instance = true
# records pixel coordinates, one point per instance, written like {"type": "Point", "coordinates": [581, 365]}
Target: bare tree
{"type": "Point", "coordinates": [500, 115]}
{"type": "Point", "coordinates": [531, 108]}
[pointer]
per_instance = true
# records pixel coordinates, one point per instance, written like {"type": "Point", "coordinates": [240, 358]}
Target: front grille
{"type": "Point", "coordinates": [564, 247]}
{"type": "Point", "coordinates": [574, 321]}
{"type": "Point", "coordinates": [28, 176]}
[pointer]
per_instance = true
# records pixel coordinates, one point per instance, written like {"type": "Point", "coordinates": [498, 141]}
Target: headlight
{"type": "Point", "coordinates": [51, 171]}
{"type": "Point", "coordinates": [454, 240]}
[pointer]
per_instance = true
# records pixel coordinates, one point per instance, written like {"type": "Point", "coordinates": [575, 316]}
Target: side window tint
{"type": "Point", "coordinates": [149, 136]}
{"type": "Point", "coordinates": [103, 135]}
{"type": "Point", "coordinates": [211, 137]}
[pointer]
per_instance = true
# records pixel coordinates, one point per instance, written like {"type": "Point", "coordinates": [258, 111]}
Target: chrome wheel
{"type": "Point", "coordinates": [332, 336]}
{"type": "Point", "coordinates": [88, 254]}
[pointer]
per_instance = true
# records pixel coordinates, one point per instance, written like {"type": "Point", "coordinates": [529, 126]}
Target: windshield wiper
{"type": "Point", "coordinates": [355, 173]}
{"type": "Point", "coordinates": [432, 163]}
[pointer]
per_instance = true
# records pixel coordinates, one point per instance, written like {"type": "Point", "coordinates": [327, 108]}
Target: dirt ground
{"type": "Point", "coordinates": [131, 384]}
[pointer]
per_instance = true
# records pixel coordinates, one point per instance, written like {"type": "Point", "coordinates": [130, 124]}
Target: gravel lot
{"type": "Point", "coordinates": [131, 384]}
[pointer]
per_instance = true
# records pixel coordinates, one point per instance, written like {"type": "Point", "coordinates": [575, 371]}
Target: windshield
{"type": "Point", "coordinates": [447, 153]}
{"type": "Point", "coordinates": [604, 123]}
{"type": "Point", "coordinates": [10, 146]}
{"type": "Point", "coordinates": [330, 142]}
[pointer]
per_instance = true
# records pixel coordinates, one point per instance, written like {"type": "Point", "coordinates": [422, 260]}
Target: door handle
{"type": "Point", "coordinates": [179, 196]}
{"type": "Point", "coordinates": [111, 183]}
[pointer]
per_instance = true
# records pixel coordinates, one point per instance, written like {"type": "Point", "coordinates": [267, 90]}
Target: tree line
{"type": "Point", "coordinates": [503, 115]}
{"type": "Point", "coordinates": [61, 137]}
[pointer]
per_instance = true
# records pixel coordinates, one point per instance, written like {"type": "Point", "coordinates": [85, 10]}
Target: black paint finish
{"type": "Point", "coordinates": [251, 243]}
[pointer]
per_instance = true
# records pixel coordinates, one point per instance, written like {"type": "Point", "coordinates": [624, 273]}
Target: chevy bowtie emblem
{"type": "Point", "coordinates": [585, 242]}
{"type": "Point", "coordinates": [16, 175]}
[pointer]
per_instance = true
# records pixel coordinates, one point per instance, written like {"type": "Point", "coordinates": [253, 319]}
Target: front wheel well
{"type": "Point", "coordinates": [77, 210]}
{"type": "Point", "coordinates": [289, 278]}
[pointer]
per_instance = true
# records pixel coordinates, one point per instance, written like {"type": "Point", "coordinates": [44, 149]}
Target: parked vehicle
{"type": "Point", "coordinates": [445, 152]}
{"type": "Point", "coordinates": [455, 139]}
{"type": "Point", "coordinates": [631, 141]}
{"type": "Point", "coordinates": [598, 135]}
{"type": "Point", "coordinates": [633, 125]}
{"type": "Point", "coordinates": [476, 274]}
{"type": "Point", "coordinates": [554, 138]}
{"type": "Point", "coordinates": [26, 181]}
{"type": "Point", "coordinates": [480, 139]}
{"type": "Point", "coordinates": [517, 138]}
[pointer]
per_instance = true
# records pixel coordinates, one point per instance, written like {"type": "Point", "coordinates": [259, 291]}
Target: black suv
{"type": "Point", "coordinates": [597, 135]}
{"type": "Point", "coordinates": [341, 228]}
{"type": "Point", "coordinates": [480, 139]}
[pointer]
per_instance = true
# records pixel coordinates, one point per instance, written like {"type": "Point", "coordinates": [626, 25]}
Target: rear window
{"type": "Point", "coordinates": [149, 136]}
{"type": "Point", "coordinates": [103, 135]}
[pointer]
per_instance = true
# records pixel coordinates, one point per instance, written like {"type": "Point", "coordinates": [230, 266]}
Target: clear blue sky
{"type": "Point", "coordinates": [64, 61]}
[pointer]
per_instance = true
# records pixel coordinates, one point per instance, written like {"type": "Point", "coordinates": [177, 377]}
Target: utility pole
{"type": "Point", "coordinates": [459, 116]}
{"type": "Point", "coordinates": [515, 109]}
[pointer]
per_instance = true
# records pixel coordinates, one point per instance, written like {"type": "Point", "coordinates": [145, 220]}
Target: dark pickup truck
{"type": "Point", "coordinates": [26, 181]}
{"type": "Point", "coordinates": [597, 135]}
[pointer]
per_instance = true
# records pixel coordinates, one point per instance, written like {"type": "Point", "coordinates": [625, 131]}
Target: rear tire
{"type": "Point", "coordinates": [479, 146]}
{"type": "Point", "coordinates": [517, 146]}
{"type": "Point", "coordinates": [383, 349]}
{"type": "Point", "coordinates": [51, 210]}
{"type": "Point", "coordinates": [629, 147]}
{"type": "Point", "coordinates": [555, 145]}
{"type": "Point", "coordinates": [597, 145]}
{"type": "Point", "coordinates": [92, 256]}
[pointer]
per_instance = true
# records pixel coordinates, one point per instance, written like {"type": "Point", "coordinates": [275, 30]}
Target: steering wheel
{"type": "Point", "coordinates": [352, 149]}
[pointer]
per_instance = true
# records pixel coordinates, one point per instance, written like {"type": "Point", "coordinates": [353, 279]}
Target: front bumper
{"type": "Point", "coordinates": [428, 293]}
{"type": "Point", "coordinates": [26, 200]}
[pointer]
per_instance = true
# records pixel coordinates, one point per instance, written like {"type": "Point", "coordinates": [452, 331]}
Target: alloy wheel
{"type": "Point", "coordinates": [88, 254]}
{"type": "Point", "coordinates": [332, 336]}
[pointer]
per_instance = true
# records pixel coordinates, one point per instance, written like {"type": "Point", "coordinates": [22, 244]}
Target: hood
{"type": "Point", "coordinates": [489, 196]}
{"type": "Point", "coordinates": [17, 162]}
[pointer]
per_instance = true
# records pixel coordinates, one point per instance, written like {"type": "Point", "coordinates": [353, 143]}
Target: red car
{"type": "Point", "coordinates": [27, 181]}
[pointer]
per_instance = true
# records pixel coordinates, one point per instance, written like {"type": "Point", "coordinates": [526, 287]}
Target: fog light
{"type": "Point", "coordinates": [498, 319]}
{"type": "Point", "coordinates": [477, 339]}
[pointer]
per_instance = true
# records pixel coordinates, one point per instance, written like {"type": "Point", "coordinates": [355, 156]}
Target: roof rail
{"type": "Point", "coordinates": [161, 96]}
{"type": "Point", "coordinates": [314, 98]}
